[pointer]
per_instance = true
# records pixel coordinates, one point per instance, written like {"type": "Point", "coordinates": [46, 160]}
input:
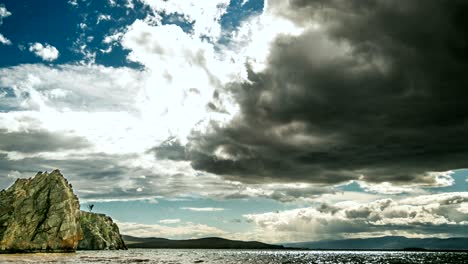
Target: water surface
{"type": "Point", "coordinates": [183, 256]}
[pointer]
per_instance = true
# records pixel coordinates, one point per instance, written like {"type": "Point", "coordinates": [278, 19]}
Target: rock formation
{"type": "Point", "coordinates": [42, 214]}
{"type": "Point", "coordinates": [39, 215]}
{"type": "Point", "coordinates": [100, 232]}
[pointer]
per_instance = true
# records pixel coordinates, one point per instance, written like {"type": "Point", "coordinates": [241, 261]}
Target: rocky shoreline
{"type": "Point", "coordinates": [42, 214]}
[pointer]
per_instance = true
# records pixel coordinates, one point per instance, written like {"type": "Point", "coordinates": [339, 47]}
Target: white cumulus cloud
{"type": "Point", "coordinates": [185, 69]}
{"type": "Point", "coordinates": [437, 214]}
{"type": "Point", "coordinates": [46, 52]}
{"type": "Point", "coordinates": [4, 13]}
{"type": "Point", "coordinates": [103, 17]}
{"type": "Point", "coordinates": [4, 40]}
{"type": "Point", "coordinates": [205, 15]}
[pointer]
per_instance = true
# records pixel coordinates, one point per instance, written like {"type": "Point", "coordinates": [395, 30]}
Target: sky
{"type": "Point", "coordinates": [278, 121]}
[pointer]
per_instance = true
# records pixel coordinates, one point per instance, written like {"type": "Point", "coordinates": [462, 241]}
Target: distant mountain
{"type": "Point", "coordinates": [388, 242]}
{"type": "Point", "coordinates": [205, 243]}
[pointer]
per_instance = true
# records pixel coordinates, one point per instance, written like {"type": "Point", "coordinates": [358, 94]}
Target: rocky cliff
{"type": "Point", "coordinates": [100, 232]}
{"type": "Point", "coordinates": [42, 214]}
{"type": "Point", "coordinates": [39, 215]}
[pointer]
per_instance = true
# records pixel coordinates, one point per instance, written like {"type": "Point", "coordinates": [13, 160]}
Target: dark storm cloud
{"type": "Point", "coordinates": [39, 141]}
{"type": "Point", "coordinates": [283, 194]}
{"type": "Point", "coordinates": [170, 149]}
{"type": "Point", "coordinates": [380, 90]}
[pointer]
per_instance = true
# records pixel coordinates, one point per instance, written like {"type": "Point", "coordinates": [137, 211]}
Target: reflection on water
{"type": "Point", "coordinates": [182, 256]}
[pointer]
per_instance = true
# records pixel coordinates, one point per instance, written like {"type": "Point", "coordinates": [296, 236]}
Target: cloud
{"type": "Point", "coordinates": [50, 98]}
{"type": "Point", "coordinates": [91, 171]}
{"type": "Point", "coordinates": [170, 149]}
{"type": "Point", "coordinates": [299, 104]}
{"type": "Point", "coordinates": [95, 130]}
{"type": "Point", "coordinates": [205, 16]}
{"type": "Point", "coordinates": [46, 52]}
{"type": "Point", "coordinates": [428, 215]}
{"type": "Point", "coordinates": [441, 179]}
{"type": "Point", "coordinates": [186, 69]}
{"type": "Point", "coordinates": [4, 40]}
{"type": "Point", "coordinates": [3, 13]}
{"type": "Point", "coordinates": [279, 192]}
{"type": "Point", "coordinates": [39, 141]}
{"type": "Point", "coordinates": [46, 102]}
{"type": "Point", "coordinates": [244, 2]}
{"type": "Point", "coordinates": [102, 17]}
{"type": "Point", "coordinates": [182, 231]}
{"type": "Point", "coordinates": [463, 208]}
{"type": "Point", "coordinates": [334, 104]}
{"type": "Point", "coordinates": [203, 209]}
{"type": "Point", "coordinates": [130, 4]}
{"type": "Point", "coordinates": [73, 2]}
{"type": "Point", "coordinates": [151, 200]}
{"type": "Point", "coordinates": [169, 221]}
{"type": "Point", "coordinates": [336, 197]}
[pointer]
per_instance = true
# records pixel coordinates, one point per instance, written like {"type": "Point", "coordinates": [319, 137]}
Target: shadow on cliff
{"type": "Point", "coordinates": [42, 214]}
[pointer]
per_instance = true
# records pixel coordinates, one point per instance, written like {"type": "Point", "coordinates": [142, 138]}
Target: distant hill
{"type": "Point", "coordinates": [205, 243]}
{"type": "Point", "coordinates": [388, 242]}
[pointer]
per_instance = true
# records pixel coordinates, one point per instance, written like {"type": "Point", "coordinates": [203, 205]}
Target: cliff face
{"type": "Point", "coordinates": [43, 214]}
{"type": "Point", "coordinates": [100, 232]}
{"type": "Point", "coordinates": [39, 215]}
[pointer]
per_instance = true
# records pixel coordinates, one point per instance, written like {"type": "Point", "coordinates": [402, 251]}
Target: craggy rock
{"type": "Point", "coordinates": [40, 215]}
{"type": "Point", "coordinates": [100, 232]}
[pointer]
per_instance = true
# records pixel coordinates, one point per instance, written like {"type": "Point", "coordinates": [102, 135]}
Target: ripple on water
{"type": "Point", "coordinates": [186, 256]}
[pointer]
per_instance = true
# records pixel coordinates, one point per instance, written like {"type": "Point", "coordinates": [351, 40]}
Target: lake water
{"type": "Point", "coordinates": [185, 256]}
